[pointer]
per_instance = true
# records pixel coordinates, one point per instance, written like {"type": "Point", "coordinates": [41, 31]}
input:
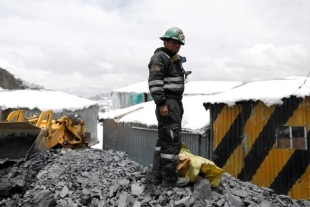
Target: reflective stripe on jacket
{"type": "Point", "coordinates": [165, 77]}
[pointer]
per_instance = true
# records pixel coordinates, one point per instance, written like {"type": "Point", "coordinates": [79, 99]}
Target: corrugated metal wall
{"type": "Point", "coordinates": [138, 141]}
{"type": "Point", "coordinates": [244, 144]}
{"type": "Point", "coordinates": [90, 116]}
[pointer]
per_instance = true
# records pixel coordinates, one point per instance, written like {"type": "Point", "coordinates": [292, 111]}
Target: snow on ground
{"type": "Point", "coordinates": [43, 100]}
{"type": "Point", "coordinates": [99, 137]}
{"type": "Point", "coordinates": [270, 92]}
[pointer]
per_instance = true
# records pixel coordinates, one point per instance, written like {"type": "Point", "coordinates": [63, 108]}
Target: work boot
{"type": "Point", "coordinates": [181, 182]}
{"type": "Point", "coordinates": [156, 170]}
{"type": "Point", "coordinates": [156, 181]}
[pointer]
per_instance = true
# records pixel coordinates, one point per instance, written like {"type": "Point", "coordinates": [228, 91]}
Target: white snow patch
{"type": "Point", "coordinates": [270, 92]}
{"type": "Point", "coordinates": [99, 137]}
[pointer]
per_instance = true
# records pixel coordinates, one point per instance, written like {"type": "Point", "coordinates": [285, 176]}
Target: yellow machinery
{"type": "Point", "coordinates": [20, 138]}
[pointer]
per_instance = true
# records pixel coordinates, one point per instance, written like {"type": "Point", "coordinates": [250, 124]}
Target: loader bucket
{"type": "Point", "coordinates": [17, 140]}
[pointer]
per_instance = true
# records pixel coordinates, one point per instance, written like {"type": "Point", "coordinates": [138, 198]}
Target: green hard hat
{"type": "Point", "coordinates": [174, 33]}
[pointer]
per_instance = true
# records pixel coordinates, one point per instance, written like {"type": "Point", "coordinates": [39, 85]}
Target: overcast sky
{"type": "Point", "coordinates": [95, 46]}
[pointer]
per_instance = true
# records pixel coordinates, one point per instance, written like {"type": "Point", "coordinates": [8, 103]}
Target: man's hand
{"type": "Point", "coordinates": [163, 110]}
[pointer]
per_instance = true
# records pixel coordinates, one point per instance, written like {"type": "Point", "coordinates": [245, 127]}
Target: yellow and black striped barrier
{"type": "Point", "coordinates": [245, 144]}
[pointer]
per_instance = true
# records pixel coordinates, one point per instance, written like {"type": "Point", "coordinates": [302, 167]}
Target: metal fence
{"type": "Point", "coordinates": [138, 141]}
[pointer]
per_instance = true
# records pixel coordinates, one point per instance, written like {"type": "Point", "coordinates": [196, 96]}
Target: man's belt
{"type": "Point", "coordinates": [174, 96]}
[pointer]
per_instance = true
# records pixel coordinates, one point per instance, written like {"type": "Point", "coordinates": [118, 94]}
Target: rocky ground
{"type": "Point", "coordinates": [97, 178]}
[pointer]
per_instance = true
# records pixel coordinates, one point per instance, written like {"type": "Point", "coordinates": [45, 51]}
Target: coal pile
{"type": "Point", "coordinates": [98, 178]}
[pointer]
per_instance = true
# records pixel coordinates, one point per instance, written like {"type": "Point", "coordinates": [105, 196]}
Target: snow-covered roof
{"type": "Point", "coordinates": [209, 87]}
{"type": "Point", "coordinates": [191, 88]}
{"type": "Point", "coordinates": [270, 92]}
{"type": "Point", "coordinates": [195, 118]}
{"type": "Point", "coordinates": [43, 100]}
{"type": "Point", "coordinates": [140, 87]}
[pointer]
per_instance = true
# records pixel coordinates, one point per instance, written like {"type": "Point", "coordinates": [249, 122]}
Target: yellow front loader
{"type": "Point", "coordinates": [21, 137]}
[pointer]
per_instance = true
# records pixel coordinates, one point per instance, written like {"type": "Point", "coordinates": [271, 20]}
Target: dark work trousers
{"type": "Point", "coordinates": [169, 142]}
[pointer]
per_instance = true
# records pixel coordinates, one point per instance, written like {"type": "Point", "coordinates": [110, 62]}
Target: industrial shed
{"type": "Point", "coordinates": [260, 133]}
{"type": "Point", "coordinates": [34, 102]}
